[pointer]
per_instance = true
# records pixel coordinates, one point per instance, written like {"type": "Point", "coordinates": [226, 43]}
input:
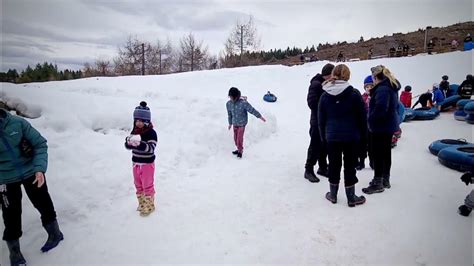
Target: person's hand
{"type": "Point", "coordinates": [230, 126]}
{"type": "Point", "coordinates": [39, 179]}
{"type": "Point", "coordinates": [263, 119]}
{"type": "Point", "coordinates": [466, 178]}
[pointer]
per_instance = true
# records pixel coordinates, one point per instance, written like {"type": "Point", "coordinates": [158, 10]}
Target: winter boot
{"type": "Point", "coordinates": [309, 174]}
{"type": "Point", "coordinates": [360, 164]}
{"type": "Point", "coordinates": [464, 210]}
{"type": "Point", "coordinates": [141, 201]}
{"type": "Point", "coordinates": [16, 258]}
{"type": "Point", "coordinates": [239, 155]}
{"type": "Point", "coordinates": [235, 152]}
{"type": "Point", "coordinates": [323, 172]}
{"type": "Point", "coordinates": [332, 194]}
{"type": "Point", "coordinates": [386, 182]}
{"type": "Point", "coordinates": [375, 186]}
{"type": "Point", "coordinates": [54, 236]}
{"type": "Point", "coordinates": [352, 199]}
{"type": "Point", "coordinates": [148, 206]}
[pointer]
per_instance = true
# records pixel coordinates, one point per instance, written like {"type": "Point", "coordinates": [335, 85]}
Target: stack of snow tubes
{"type": "Point", "coordinates": [457, 154]}
{"type": "Point", "coordinates": [449, 102]}
{"type": "Point", "coordinates": [409, 114]}
{"type": "Point", "coordinates": [425, 113]}
{"type": "Point", "coordinates": [460, 114]}
{"type": "Point", "coordinates": [469, 110]}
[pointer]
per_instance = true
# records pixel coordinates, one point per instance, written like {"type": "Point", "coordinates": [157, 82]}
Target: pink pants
{"type": "Point", "coordinates": [239, 138]}
{"type": "Point", "coordinates": [143, 177]}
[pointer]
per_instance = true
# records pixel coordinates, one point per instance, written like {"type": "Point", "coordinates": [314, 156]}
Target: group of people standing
{"type": "Point", "coordinates": [342, 128]}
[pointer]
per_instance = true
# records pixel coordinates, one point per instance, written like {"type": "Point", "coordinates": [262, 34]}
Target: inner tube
{"type": "Point", "coordinates": [453, 90]}
{"type": "Point", "coordinates": [469, 118]}
{"type": "Point", "coordinates": [458, 158]}
{"type": "Point", "coordinates": [401, 112]}
{"type": "Point", "coordinates": [438, 145]}
{"type": "Point", "coordinates": [449, 102]}
{"type": "Point", "coordinates": [461, 103]}
{"type": "Point", "coordinates": [425, 113]}
{"type": "Point", "coordinates": [460, 115]}
{"type": "Point", "coordinates": [409, 114]}
{"type": "Point", "coordinates": [469, 107]}
{"type": "Point", "coordinates": [269, 98]}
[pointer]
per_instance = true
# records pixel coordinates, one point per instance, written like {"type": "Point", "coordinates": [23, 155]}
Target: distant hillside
{"type": "Point", "coordinates": [441, 36]}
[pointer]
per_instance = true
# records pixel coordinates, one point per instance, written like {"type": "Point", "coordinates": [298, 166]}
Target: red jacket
{"type": "Point", "coordinates": [405, 98]}
{"type": "Point", "coordinates": [366, 98]}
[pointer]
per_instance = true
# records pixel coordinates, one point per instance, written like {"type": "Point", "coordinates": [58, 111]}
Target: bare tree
{"type": "Point", "coordinates": [129, 59]}
{"type": "Point", "coordinates": [89, 71]}
{"type": "Point", "coordinates": [159, 58]}
{"type": "Point", "coordinates": [103, 66]}
{"type": "Point", "coordinates": [193, 54]}
{"type": "Point", "coordinates": [242, 38]}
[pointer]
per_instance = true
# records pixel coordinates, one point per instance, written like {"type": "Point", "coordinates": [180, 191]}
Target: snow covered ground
{"type": "Point", "coordinates": [213, 208]}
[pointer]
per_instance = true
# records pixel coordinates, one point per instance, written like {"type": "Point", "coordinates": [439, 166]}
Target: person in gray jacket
{"type": "Point", "coordinates": [237, 108]}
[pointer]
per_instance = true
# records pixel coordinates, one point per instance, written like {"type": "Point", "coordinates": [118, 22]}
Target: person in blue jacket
{"type": "Point", "coordinates": [438, 96]}
{"type": "Point", "coordinates": [342, 121]}
{"type": "Point", "coordinates": [382, 122]}
{"type": "Point", "coordinates": [23, 162]}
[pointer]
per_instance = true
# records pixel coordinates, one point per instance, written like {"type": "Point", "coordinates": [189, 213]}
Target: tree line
{"type": "Point", "coordinates": [139, 57]}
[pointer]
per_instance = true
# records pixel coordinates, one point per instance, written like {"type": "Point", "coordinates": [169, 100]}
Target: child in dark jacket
{"type": "Point", "coordinates": [466, 209]}
{"type": "Point", "coordinates": [342, 119]}
{"type": "Point", "coordinates": [444, 86]}
{"type": "Point", "coordinates": [237, 108]}
{"type": "Point", "coordinates": [142, 142]}
{"type": "Point", "coordinates": [405, 97]}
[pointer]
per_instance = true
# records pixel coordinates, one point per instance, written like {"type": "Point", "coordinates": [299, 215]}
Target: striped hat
{"type": "Point", "coordinates": [142, 112]}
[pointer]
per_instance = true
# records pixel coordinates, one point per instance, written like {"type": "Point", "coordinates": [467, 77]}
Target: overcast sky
{"type": "Point", "coordinates": [72, 32]}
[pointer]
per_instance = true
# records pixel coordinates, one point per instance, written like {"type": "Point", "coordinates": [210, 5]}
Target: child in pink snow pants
{"type": "Point", "coordinates": [237, 109]}
{"type": "Point", "coordinates": [142, 142]}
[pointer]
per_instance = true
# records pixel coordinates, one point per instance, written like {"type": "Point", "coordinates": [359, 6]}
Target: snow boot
{"type": "Point", "coordinates": [323, 171]}
{"type": "Point", "coordinates": [386, 182]}
{"type": "Point", "coordinates": [141, 201]}
{"type": "Point", "coordinates": [235, 152]}
{"type": "Point", "coordinates": [352, 199]}
{"type": "Point", "coordinates": [332, 194]}
{"type": "Point", "coordinates": [375, 186]}
{"type": "Point", "coordinates": [464, 210]}
{"type": "Point", "coordinates": [309, 174]}
{"type": "Point", "coordinates": [16, 258]}
{"type": "Point", "coordinates": [148, 206]}
{"type": "Point", "coordinates": [54, 236]}
{"type": "Point", "coordinates": [239, 155]}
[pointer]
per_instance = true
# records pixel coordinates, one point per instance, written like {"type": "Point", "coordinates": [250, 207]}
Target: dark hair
{"type": "Point", "coordinates": [407, 88]}
{"type": "Point", "coordinates": [445, 77]}
{"type": "Point", "coordinates": [143, 104]}
{"type": "Point", "coordinates": [469, 77]}
{"type": "Point", "coordinates": [234, 93]}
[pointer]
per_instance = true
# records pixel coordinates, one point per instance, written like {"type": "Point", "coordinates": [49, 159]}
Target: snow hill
{"type": "Point", "coordinates": [213, 208]}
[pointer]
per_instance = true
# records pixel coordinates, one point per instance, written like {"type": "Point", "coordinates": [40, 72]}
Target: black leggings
{"type": "Point", "coordinates": [382, 154]}
{"type": "Point", "coordinates": [11, 206]}
{"type": "Point", "coordinates": [336, 150]}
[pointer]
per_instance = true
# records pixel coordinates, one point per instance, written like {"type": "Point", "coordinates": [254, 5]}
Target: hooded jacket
{"type": "Point", "coordinates": [314, 94]}
{"type": "Point", "coordinates": [342, 114]}
{"type": "Point", "coordinates": [383, 108]}
{"type": "Point", "coordinates": [13, 166]}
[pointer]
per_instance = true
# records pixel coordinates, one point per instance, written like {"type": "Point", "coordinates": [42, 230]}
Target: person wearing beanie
{"type": "Point", "coordinates": [405, 96]}
{"type": "Point", "coordinates": [23, 162]}
{"type": "Point", "coordinates": [316, 151]}
{"type": "Point", "coordinates": [142, 142]}
{"type": "Point", "coordinates": [342, 120]}
{"type": "Point", "coordinates": [364, 148]}
{"type": "Point", "coordinates": [237, 109]}
{"type": "Point", "coordinates": [383, 122]}
{"type": "Point", "coordinates": [466, 88]}
{"type": "Point", "coordinates": [444, 86]}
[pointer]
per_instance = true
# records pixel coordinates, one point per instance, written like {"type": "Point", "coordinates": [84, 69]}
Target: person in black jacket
{"type": "Point", "coordinates": [382, 122]}
{"type": "Point", "coordinates": [316, 149]}
{"type": "Point", "coordinates": [444, 86]}
{"type": "Point", "coordinates": [466, 87]}
{"type": "Point", "coordinates": [342, 120]}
